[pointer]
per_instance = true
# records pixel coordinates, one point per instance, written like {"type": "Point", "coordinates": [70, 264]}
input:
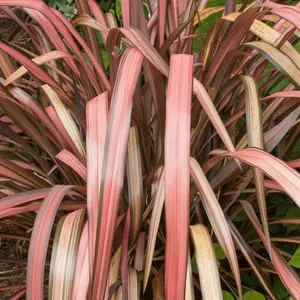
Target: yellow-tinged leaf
{"type": "Point", "coordinates": [217, 218]}
{"type": "Point", "coordinates": [232, 17]}
{"type": "Point", "coordinates": [65, 117]}
{"type": "Point", "coordinates": [272, 18]}
{"type": "Point", "coordinates": [253, 113]}
{"type": "Point", "coordinates": [206, 263]}
{"type": "Point", "coordinates": [39, 60]}
{"type": "Point", "coordinates": [256, 139]}
{"type": "Point", "coordinates": [87, 20]}
{"type": "Point", "coordinates": [270, 36]}
{"type": "Point", "coordinates": [62, 268]}
{"type": "Point", "coordinates": [54, 254]}
{"type": "Point", "coordinates": [210, 45]}
{"type": "Point", "coordinates": [205, 13]}
{"type": "Point", "coordinates": [7, 64]}
{"type": "Point", "coordinates": [81, 278]}
{"type": "Point", "coordinates": [280, 60]}
{"type": "Point", "coordinates": [114, 269]}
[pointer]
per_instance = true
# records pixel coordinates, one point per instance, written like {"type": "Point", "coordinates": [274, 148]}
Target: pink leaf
{"type": "Point", "coordinates": [39, 241]}
{"type": "Point", "coordinates": [72, 161]}
{"type": "Point", "coordinates": [114, 164]}
{"type": "Point", "coordinates": [96, 112]}
{"type": "Point", "coordinates": [177, 181]}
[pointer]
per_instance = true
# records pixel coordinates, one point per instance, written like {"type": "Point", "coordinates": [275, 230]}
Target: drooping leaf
{"type": "Point", "coordinates": [278, 59]}
{"type": "Point", "coordinates": [71, 160]}
{"type": "Point", "coordinates": [287, 177]}
{"type": "Point", "coordinates": [39, 60]}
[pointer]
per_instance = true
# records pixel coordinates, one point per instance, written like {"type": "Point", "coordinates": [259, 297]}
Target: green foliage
{"type": "Point", "coordinates": [65, 6]}
{"type": "Point", "coordinates": [227, 295]}
{"type": "Point", "coordinates": [253, 295]}
{"type": "Point", "coordinates": [241, 216]}
{"type": "Point", "coordinates": [279, 289]}
{"type": "Point", "coordinates": [219, 252]}
{"type": "Point", "coordinates": [194, 264]}
{"type": "Point", "coordinates": [293, 212]}
{"type": "Point", "coordinates": [295, 260]}
{"type": "Point", "coordinates": [118, 9]}
{"type": "Point", "coordinates": [295, 153]}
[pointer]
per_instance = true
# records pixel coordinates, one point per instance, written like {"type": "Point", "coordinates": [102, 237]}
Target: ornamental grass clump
{"type": "Point", "coordinates": [150, 150]}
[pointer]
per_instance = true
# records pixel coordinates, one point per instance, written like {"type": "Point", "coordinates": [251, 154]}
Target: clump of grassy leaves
{"type": "Point", "coordinates": [150, 150]}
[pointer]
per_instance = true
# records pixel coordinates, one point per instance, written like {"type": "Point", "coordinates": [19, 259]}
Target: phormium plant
{"type": "Point", "coordinates": [142, 158]}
